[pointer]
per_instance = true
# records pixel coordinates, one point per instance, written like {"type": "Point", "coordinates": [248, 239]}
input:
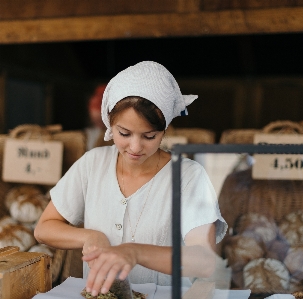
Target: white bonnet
{"type": "Point", "coordinates": [149, 80]}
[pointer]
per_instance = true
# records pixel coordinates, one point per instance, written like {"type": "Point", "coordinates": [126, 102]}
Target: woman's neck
{"type": "Point", "coordinates": [148, 167]}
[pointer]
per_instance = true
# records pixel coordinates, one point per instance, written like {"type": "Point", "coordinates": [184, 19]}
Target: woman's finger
{"type": "Point", "coordinates": [111, 276]}
{"type": "Point", "coordinates": [95, 275]}
{"type": "Point", "coordinates": [124, 272]}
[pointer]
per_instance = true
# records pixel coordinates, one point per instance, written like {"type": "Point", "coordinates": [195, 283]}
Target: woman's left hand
{"type": "Point", "coordinates": [109, 263]}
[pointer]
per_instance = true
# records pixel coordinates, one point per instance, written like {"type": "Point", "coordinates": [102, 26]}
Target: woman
{"type": "Point", "coordinates": [122, 193]}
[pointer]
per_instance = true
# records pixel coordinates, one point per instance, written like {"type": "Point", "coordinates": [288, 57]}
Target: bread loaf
{"type": "Point", "coordinates": [42, 248]}
{"type": "Point", "coordinates": [258, 226]}
{"type": "Point", "coordinates": [277, 250]}
{"type": "Point", "coordinates": [16, 191]}
{"type": "Point", "coordinates": [16, 235]}
{"type": "Point", "coordinates": [294, 262]}
{"type": "Point", "coordinates": [266, 276]}
{"type": "Point", "coordinates": [28, 208]}
{"type": "Point", "coordinates": [291, 228]}
{"type": "Point", "coordinates": [239, 250]}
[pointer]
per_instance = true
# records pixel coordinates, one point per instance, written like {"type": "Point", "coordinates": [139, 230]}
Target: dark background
{"type": "Point", "coordinates": [69, 71]}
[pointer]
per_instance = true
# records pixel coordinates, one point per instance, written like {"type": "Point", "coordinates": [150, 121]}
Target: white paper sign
{"type": "Point", "coordinates": [32, 161]}
{"type": "Point", "coordinates": [278, 166]}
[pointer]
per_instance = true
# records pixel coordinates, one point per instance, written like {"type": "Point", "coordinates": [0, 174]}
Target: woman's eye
{"type": "Point", "coordinates": [124, 134]}
{"type": "Point", "coordinates": [150, 137]}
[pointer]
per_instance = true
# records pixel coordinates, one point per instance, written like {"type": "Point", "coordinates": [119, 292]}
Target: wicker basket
{"type": "Point", "coordinates": [241, 194]}
{"type": "Point", "coordinates": [74, 148]}
{"type": "Point", "coordinates": [193, 135]}
{"type": "Point", "coordinates": [243, 136]}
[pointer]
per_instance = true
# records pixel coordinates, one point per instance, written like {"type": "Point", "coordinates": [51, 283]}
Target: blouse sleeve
{"type": "Point", "coordinates": [199, 201]}
{"type": "Point", "coordinates": [68, 196]}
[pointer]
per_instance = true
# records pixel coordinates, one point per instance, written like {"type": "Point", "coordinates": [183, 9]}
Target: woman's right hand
{"type": "Point", "coordinates": [94, 240]}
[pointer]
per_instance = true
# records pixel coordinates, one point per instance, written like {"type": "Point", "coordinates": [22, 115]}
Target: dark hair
{"type": "Point", "coordinates": [142, 106]}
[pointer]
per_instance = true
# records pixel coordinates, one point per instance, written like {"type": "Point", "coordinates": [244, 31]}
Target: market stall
{"type": "Point", "coordinates": [249, 104]}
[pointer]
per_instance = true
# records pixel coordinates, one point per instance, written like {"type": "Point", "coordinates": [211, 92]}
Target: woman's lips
{"type": "Point", "coordinates": [134, 156]}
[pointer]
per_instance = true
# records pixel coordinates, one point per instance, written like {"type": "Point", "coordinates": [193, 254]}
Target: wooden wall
{"type": "Point", "coordinates": [251, 101]}
{"type": "Point", "coordinates": [242, 103]}
{"type": "Point", "coordinates": [71, 20]}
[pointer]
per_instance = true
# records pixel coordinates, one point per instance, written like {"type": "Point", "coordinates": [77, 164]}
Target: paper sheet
{"type": "Point", "coordinates": [281, 296]}
{"type": "Point", "coordinates": [71, 288]}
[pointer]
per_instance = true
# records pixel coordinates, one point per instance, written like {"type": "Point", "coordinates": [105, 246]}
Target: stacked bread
{"type": "Point", "coordinates": [265, 256]}
{"type": "Point", "coordinates": [25, 204]}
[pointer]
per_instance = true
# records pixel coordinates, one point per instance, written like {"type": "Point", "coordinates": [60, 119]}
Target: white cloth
{"type": "Point", "coordinates": [72, 287]}
{"type": "Point", "coordinates": [90, 192]}
{"type": "Point", "coordinates": [149, 80]}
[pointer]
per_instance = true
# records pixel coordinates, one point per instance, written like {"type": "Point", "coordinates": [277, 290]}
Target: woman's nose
{"type": "Point", "coordinates": [135, 145]}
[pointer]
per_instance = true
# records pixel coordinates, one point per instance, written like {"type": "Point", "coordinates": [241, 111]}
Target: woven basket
{"type": "Point", "coordinates": [238, 136]}
{"type": "Point", "coordinates": [243, 136]}
{"type": "Point", "coordinates": [74, 148]}
{"type": "Point", "coordinates": [193, 135]}
{"type": "Point", "coordinates": [241, 194]}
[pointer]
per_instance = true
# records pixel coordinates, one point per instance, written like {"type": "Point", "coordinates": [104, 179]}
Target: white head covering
{"type": "Point", "coordinates": [149, 80]}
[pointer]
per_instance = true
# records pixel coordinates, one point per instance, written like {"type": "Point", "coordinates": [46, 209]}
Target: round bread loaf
{"type": "Point", "coordinates": [258, 226]}
{"type": "Point", "coordinates": [28, 208]}
{"type": "Point", "coordinates": [298, 294]}
{"type": "Point", "coordinates": [291, 228]}
{"type": "Point", "coordinates": [5, 220]}
{"type": "Point", "coordinates": [16, 235]}
{"type": "Point", "coordinates": [295, 285]}
{"type": "Point", "coordinates": [239, 250]}
{"type": "Point", "coordinates": [16, 191]}
{"type": "Point", "coordinates": [294, 262]}
{"type": "Point", "coordinates": [277, 250]}
{"type": "Point", "coordinates": [266, 276]}
{"type": "Point", "coordinates": [42, 248]}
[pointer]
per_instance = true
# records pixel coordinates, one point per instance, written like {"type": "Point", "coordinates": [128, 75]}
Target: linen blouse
{"type": "Point", "coordinates": [89, 193]}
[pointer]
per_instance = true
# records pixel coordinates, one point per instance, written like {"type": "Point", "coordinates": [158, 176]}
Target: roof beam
{"type": "Point", "coordinates": [252, 21]}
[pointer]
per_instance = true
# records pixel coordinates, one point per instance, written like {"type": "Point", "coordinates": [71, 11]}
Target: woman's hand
{"type": "Point", "coordinates": [94, 240]}
{"type": "Point", "coordinates": [109, 263]}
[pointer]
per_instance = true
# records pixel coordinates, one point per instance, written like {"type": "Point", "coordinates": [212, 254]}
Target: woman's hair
{"type": "Point", "coordinates": [143, 107]}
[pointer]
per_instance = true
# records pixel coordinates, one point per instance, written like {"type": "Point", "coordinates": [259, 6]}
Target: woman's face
{"type": "Point", "coordinates": [134, 137]}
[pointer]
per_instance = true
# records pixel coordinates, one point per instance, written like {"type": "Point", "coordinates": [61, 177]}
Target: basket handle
{"type": "Point", "coordinates": [283, 126]}
{"type": "Point", "coordinates": [30, 130]}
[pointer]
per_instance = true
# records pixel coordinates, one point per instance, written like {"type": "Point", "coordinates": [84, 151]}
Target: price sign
{"type": "Point", "coordinates": [32, 161]}
{"type": "Point", "coordinates": [276, 166]}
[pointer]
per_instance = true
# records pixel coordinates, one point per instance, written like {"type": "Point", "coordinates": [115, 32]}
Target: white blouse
{"type": "Point", "coordinates": [89, 192]}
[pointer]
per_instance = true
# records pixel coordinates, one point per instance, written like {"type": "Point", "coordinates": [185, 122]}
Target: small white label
{"type": "Point", "coordinates": [32, 161]}
{"type": "Point", "coordinates": [276, 166]}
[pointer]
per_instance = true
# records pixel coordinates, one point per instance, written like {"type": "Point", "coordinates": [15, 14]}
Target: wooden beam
{"type": "Point", "coordinates": [39, 9]}
{"type": "Point", "coordinates": [253, 21]}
